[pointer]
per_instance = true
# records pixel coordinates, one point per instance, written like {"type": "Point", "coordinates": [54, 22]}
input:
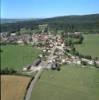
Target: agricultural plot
{"type": "Point", "coordinates": [16, 57]}
{"type": "Point", "coordinates": [13, 87]}
{"type": "Point", "coordinates": [90, 45]}
{"type": "Point", "coordinates": [71, 83]}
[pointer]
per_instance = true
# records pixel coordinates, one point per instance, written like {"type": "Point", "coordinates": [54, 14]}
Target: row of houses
{"type": "Point", "coordinates": [27, 38]}
{"type": "Point", "coordinates": [23, 38]}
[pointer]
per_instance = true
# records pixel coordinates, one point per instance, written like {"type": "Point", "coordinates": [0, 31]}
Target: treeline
{"type": "Point", "coordinates": [85, 23]}
{"type": "Point", "coordinates": [11, 71]}
{"type": "Point", "coordinates": [8, 71]}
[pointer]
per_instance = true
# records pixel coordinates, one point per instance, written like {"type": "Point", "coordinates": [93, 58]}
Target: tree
{"type": "Point", "coordinates": [83, 62]}
{"type": "Point", "coordinates": [73, 50]}
{"type": "Point", "coordinates": [81, 38]}
{"type": "Point", "coordinates": [23, 31]}
{"type": "Point", "coordinates": [62, 34]}
{"type": "Point", "coordinates": [70, 42]}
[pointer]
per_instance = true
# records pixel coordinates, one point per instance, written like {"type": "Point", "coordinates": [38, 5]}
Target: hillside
{"type": "Point", "coordinates": [4, 20]}
{"type": "Point", "coordinates": [66, 23]}
{"type": "Point", "coordinates": [74, 18]}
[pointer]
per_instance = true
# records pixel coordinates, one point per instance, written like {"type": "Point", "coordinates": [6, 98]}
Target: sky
{"type": "Point", "coordinates": [47, 8]}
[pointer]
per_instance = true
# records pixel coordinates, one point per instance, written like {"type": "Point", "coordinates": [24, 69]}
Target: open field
{"type": "Point", "coordinates": [71, 83]}
{"type": "Point", "coordinates": [16, 56]}
{"type": "Point", "coordinates": [13, 87]}
{"type": "Point", "coordinates": [90, 45]}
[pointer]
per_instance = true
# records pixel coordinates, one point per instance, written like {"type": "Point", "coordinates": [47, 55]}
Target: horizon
{"type": "Point", "coordinates": [19, 9]}
{"type": "Point", "coordinates": [53, 16]}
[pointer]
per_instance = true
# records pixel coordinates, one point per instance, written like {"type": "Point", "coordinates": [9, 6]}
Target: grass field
{"type": "Point", "coordinates": [90, 45]}
{"type": "Point", "coordinates": [15, 56]}
{"type": "Point", "coordinates": [71, 83]}
{"type": "Point", "coordinates": [13, 87]}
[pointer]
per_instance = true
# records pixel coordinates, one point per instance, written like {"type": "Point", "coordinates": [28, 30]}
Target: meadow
{"type": "Point", "coordinates": [13, 87]}
{"type": "Point", "coordinates": [72, 82]}
{"type": "Point", "coordinates": [16, 56]}
{"type": "Point", "coordinates": [90, 45]}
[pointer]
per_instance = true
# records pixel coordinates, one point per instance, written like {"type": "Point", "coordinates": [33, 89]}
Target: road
{"type": "Point", "coordinates": [29, 91]}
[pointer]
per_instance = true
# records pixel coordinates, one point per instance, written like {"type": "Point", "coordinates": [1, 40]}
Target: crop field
{"type": "Point", "coordinates": [16, 56]}
{"type": "Point", "coordinates": [90, 45]}
{"type": "Point", "coordinates": [13, 87]}
{"type": "Point", "coordinates": [72, 82]}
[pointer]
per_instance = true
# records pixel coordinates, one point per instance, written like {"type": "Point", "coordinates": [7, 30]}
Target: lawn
{"type": "Point", "coordinates": [13, 87]}
{"type": "Point", "coordinates": [16, 56]}
{"type": "Point", "coordinates": [90, 45]}
{"type": "Point", "coordinates": [71, 83]}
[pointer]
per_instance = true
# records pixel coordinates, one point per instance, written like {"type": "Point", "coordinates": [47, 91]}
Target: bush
{"type": "Point", "coordinates": [81, 56]}
{"type": "Point", "coordinates": [58, 69]}
{"type": "Point", "coordinates": [88, 57]}
{"type": "Point", "coordinates": [83, 62]}
{"type": "Point", "coordinates": [77, 53]}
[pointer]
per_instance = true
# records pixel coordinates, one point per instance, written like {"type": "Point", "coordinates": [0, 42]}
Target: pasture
{"type": "Point", "coordinates": [72, 82]}
{"type": "Point", "coordinates": [13, 87]}
{"type": "Point", "coordinates": [90, 45]}
{"type": "Point", "coordinates": [16, 56]}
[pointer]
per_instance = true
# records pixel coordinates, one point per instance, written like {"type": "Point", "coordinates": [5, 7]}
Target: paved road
{"type": "Point", "coordinates": [29, 92]}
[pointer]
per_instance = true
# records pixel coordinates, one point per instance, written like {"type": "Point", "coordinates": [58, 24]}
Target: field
{"type": "Point", "coordinates": [90, 45]}
{"type": "Point", "coordinates": [71, 83]}
{"type": "Point", "coordinates": [13, 87]}
{"type": "Point", "coordinates": [15, 56]}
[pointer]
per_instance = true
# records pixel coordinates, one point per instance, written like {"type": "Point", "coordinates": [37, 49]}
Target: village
{"type": "Point", "coordinates": [53, 55]}
{"type": "Point", "coordinates": [55, 51]}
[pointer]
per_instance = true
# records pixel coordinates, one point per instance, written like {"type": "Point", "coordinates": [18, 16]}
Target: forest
{"type": "Point", "coordinates": [81, 23]}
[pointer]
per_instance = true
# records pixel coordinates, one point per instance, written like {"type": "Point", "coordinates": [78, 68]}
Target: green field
{"type": "Point", "coordinates": [90, 45]}
{"type": "Point", "coordinates": [16, 56]}
{"type": "Point", "coordinates": [71, 83]}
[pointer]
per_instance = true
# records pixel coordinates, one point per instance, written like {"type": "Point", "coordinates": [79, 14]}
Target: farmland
{"type": "Point", "coordinates": [16, 56]}
{"type": "Point", "coordinates": [13, 87]}
{"type": "Point", "coordinates": [90, 45]}
{"type": "Point", "coordinates": [71, 83]}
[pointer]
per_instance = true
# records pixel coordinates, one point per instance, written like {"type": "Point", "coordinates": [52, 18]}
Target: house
{"type": "Point", "coordinates": [3, 36]}
{"type": "Point", "coordinates": [13, 34]}
{"type": "Point", "coordinates": [97, 62]}
{"type": "Point", "coordinates": [26, 68]}
{"type": "Point", "coordinates": [77, 33]}
{"type": "Point", "coordinates": [91, 62]}
{"type": "Point", "coordinates": [20, 41]}
{"type": "Point", "coordinates": [35, 38]}
{"type": "Point", "coordinates": [12, 39]}
{"type": "Point", "coordinates": [26, 38]}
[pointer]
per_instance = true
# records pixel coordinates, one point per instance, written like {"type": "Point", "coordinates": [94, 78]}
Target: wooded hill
{"type": "Point", "coordinates": [82, 23]}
